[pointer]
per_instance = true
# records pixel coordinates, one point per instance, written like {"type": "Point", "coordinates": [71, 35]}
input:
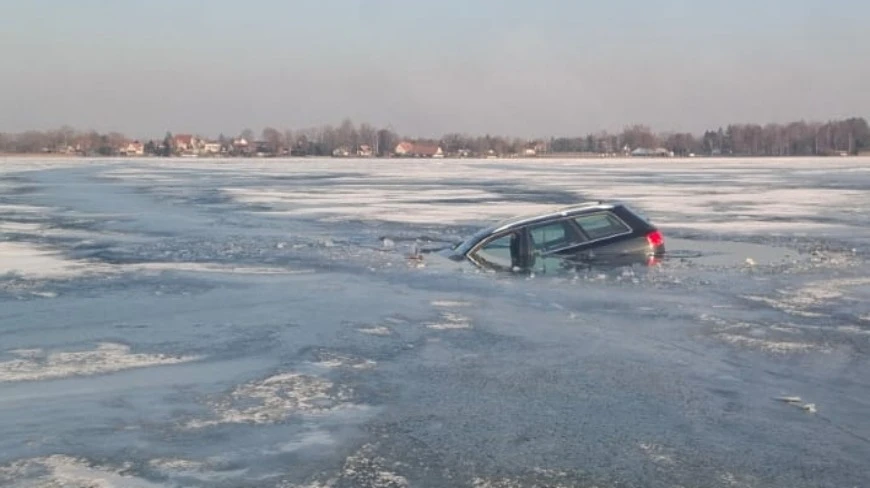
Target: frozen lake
{"type": "Point", "coordinates": [169, 323]}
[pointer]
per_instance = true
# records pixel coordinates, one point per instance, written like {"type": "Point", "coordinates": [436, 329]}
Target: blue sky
{"type": "Point", "coordinates": [425, 67]}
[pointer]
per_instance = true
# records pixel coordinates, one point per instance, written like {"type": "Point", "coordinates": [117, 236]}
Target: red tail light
{"type": "Point", "coordinates": [655, 239]}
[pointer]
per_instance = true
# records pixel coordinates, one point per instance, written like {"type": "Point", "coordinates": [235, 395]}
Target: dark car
{"type": "Point", "coordinates": [593, 234]}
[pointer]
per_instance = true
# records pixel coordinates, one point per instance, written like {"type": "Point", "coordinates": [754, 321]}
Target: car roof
{"type": "Point", "coordinates": [568, 211]}
{"type": "Point", "coordinates": [514, 222]}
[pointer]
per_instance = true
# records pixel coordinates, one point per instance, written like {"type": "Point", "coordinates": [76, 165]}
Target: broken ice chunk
{"type": "Point", "coordinates": [790, 399]}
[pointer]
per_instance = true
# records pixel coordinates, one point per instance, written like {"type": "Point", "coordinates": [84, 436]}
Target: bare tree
{"type": "Point", "coordinates": [639, 136]}
{"type": "Point", "coordinates": [682, 144]}
{"type": "Point", "coordinates": [387, 141]}
{"type": "Point", "coordinates": [329, 140]}
{"type": "Point", "coordinates": [274, 140]}
{"type": "Point", "coordinates": [346, 135]}
{"type": "Point", "coordinates": [116, 139]}
{"type": "Point", "coordinates": [368, 135]}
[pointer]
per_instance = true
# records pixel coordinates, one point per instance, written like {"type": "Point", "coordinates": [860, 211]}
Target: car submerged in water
{"type": "Point", "coordinates": [592, 234]}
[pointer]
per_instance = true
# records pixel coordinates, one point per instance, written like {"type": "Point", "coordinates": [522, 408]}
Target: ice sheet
{"type": "Point", "coordinates": [256, 330]}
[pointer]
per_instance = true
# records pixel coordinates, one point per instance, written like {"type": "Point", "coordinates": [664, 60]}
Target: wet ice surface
{"type": "Point", "coordinates": [258, 323]}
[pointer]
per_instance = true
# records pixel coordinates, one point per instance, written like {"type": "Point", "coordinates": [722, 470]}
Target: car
{"type": "Point", "coordinates": [586, 235]}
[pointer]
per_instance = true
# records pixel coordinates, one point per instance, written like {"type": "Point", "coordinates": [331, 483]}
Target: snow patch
{"type": "Point", "coordinates": [177, 465]}
{"type": "Point", "coordinates": [780, 347]}
{"type": "Point", "coordinates": [306, 440]}
{"type": "Point", "coordinates": [204, 471]}
{"type": "Point", "coordinates": [20, 227]}
{"type": "Point", "coordinates": [335, 360]}
{"type": "Point", "coordinates": [451, 321]}
{"type": "Point", "coordinates": [852, 329]}
{"type": "Point", "coordinates": [796, 400]}
{"type": "Point", "coordinates": [274, 399]}
{"type": "Point", "coordinates": [210, 268]}
{"type": "Point", "coordinates": [61, 471]}
{"type": "Point", "coordinates": [815, 294]}
{"type": "Point", "coordinates": [377, 331]}
{"type": "Point", "coordinates": [31, 262]}
{"type": "Point", "coordinates": [44, 294]}
{"type": "Point", "coordinates": [732, 480]}
{"type": "Point", "coordinates": [450, 303]}
{"type": "Point", "coordinates": [657, 453]}
{"type": "Point", "coordinates": [539, 477]}
{"type": "Point", "coordinates": [751, 335]}
{"type": "Point", "coordinates": [365, 469]}
{"type": "Point", "coordinates": [25, 209]}
{"type": "Point", "coordinates": [37, 365]}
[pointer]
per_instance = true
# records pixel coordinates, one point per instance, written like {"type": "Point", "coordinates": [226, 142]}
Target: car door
{"type": "Point", "coordinates": [609, 240]}
{"type": "Point", "coordinates": [551, 242]}
{"type": "Point", "coordinates": [506, 251]}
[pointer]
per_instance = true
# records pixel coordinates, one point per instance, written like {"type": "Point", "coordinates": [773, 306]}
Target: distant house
{"type": "Point", "coordinates": [133, 148]}
{"type": "Point", "coordinates": [240, 146]}
{"type": "Point", "coordinates": [404, 148]}
{"type": "Point", "coordinates": [340, 152]}
{"type": "Point", "coordinates": [418, 150]}
{"type": "Point", "coordinates": [657, 152]}
{"type": "Point", "coordinates": [263, 149]}
{"type": "Point", "coordinates": [185, 143]}
{"type": "Point", "coordinates": [365, 151]}
{"type": "Point", "coordinates": [211, 147]}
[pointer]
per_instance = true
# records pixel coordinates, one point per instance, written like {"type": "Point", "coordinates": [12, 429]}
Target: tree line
{"type": "Point", "coordinates": [34, 141]}
{"type": "Point", "coordinates": [849, 136]}
{"type": "Point", "coordinates": [846, 136]}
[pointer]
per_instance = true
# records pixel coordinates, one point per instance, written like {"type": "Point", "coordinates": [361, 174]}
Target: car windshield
{"type": "Point", "coordinates": [466, 245]}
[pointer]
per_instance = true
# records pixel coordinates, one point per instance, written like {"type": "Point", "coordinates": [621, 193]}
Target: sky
{"type": "Point", "coordinates": [427, 67]}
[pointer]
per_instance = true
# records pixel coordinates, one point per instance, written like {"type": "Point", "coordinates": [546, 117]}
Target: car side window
{"type": "Point", "coordinates": [497, 251]}
{"type": "Point", "coordinates": [601, 225]}
{"type": "Point", "coordinates": [553, 235]}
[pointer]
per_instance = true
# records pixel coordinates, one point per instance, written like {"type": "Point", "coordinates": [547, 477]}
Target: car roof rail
{"type": "Point", "coordinates": [519, 220]}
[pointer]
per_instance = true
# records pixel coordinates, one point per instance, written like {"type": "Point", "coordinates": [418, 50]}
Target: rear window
{"type": "Point", "coordinates": [602, 225]}
{"type": "Point", "coordinates": [637, 214]}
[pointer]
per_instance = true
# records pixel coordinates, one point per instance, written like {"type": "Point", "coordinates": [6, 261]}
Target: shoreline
{"type": "Point", "coordinates": [567, 157]}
